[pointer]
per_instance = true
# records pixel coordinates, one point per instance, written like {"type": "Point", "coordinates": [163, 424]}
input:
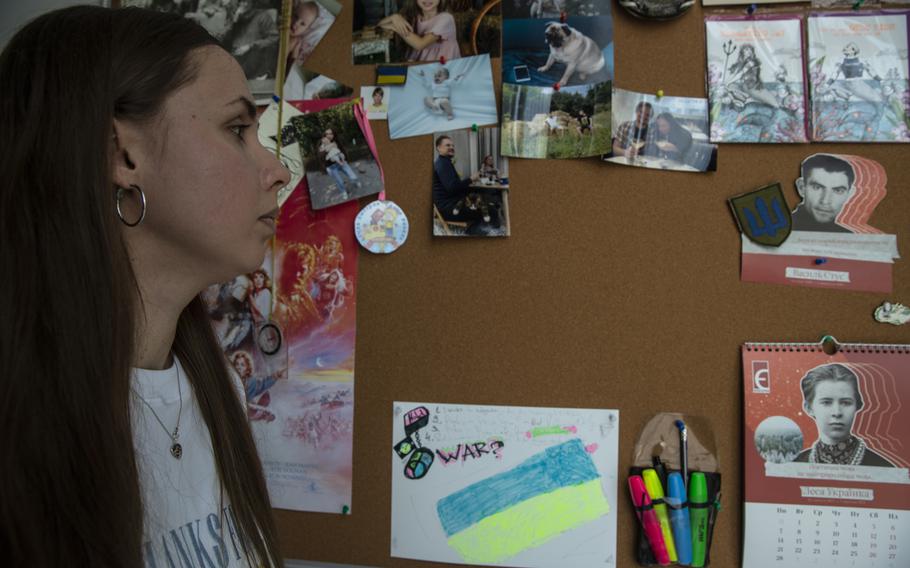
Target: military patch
{"type": "Point", "coordinates": [763, 215]}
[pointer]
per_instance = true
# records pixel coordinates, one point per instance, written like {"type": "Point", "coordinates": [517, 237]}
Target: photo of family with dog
{"type": "Point", "coordinates": [470, 184]}
{"type": "Point", "coordinates": [398, 31]}
{"type": "Point", "coordinates": [548, 52]}
{"type": "Point", "coordinates": [542, 122]}
{"type": "Point", "coordinates": [338, 161]}
{"type": "Point", "coordinates": [664, 133]}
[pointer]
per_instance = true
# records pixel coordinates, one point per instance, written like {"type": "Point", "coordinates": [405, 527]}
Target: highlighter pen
{"type": "Point", "coordinates": [698, 515]}
{"type": "Point", "coordinates": [656, 492]}
{"type": "Point", "coordinates": [679, 518]}
{"type": "Point", "coordinates": [642, 504]}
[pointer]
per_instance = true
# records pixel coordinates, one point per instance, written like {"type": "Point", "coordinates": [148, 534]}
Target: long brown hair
{"type": "Point", "coordinates": [69, 478]}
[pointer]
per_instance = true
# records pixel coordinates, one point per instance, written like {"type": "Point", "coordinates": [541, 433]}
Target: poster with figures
{"type": "Point", "coordinates": [288, 331]}
{"type": "Point", "coordinates": [510, 486]}
{"type": "Point", "coordinates": [858, 73]}
{"type": "Point", "coordinates": [756, 79]}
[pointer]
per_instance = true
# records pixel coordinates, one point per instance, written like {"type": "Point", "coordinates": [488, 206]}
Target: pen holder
{"type": "Point", "coordinates": [643, 554]}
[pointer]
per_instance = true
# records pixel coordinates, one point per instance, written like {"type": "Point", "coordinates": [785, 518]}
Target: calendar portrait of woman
{"type": "Point", "coordinates": [832, 398]}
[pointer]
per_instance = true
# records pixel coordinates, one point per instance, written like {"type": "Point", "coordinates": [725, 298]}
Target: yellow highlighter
{"type": "Point", "coordinates": [656, 493]}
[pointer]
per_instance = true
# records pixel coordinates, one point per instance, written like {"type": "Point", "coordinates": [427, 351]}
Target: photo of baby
{"type": "Point", "coordinates": [470, 184]}
{"type": "Point", "coordinates": [457, 94]}
{"type": "Point", "coordinates": [547, 52]}
{"type": "Point", "coordinates": [664, 133]}
{"type": "Point", "coordinates": [338, 161]}
{"type": "Point", "coordinates": [396, 31]}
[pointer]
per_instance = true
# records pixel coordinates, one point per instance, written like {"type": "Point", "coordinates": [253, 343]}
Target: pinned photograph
{"type": "Point", "coordinates": [831, 244]}
{"type": "Point", "coordinates": [553, 9]}
{"type": "Point", "coordinates": [470, 184]}
{"type": "Point", "coordinates": [397, 31]}
{"type": "Point", "coordinates": [756, 85]}
{"type": "Point", "coordinates": [248, 29]}
{"type": "Point", "coordinates": [375, 101]}
{"type": "Point", "coordinates": [664, 133]}
{"type": "Point", "coordinates": [304, 85]}
{"type": "Point", "coordinates": [339, 164]}
{"type": "Point", "coordinates": [541, 122]}
{"type": "Point", "coordinates": [859, 77]}
{"type": "Point", "coordinates": [437, 96]}
{"type": "Point", "coordinates": [549, 52]}
{"type": "Point", "coordinates": [310, 20]}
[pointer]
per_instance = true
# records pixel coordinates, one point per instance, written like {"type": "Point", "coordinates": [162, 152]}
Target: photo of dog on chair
{"type": "Point", "coordinates": [470, 184]}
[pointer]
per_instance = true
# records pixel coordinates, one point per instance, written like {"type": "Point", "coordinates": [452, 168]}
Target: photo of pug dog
{"type": "Point", "coordinates": [578, 52]}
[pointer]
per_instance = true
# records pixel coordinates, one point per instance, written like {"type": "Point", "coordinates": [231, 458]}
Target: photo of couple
{"type": "Point", "coordinates": [397, 31]}
{"type": "Point", "coordinates": [668, 133]}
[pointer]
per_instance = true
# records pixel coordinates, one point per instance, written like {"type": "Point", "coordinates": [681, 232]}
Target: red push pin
{"type": "Point", "coordinates": [562, 17]}
{"type": "Point", "coordinates": [442, 59]}
{"type": "Point", "coordinates": [555, 86]}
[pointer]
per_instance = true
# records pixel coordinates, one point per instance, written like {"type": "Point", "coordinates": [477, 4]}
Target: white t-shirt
{"type": "Point", "coordinates": [187, 521]}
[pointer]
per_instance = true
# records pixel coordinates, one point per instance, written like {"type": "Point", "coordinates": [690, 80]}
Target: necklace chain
{"type": "Point", "coordinates": [176, 448]}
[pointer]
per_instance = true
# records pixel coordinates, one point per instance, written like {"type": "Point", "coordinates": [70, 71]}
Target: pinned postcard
{"type": "Point", "coordinates": [831, 244]}
{"type": "Point", "coordinates": [543, 122]}
{"type": "Point", "coordinates": [664, 133]}
{"type": "Point", "coordinates": [440, 96]}
{"type": "Point", "coordinates": [756, 85]}
{"type": "Point", "coordinates": [396, 32]}
{"type": "Point", "coordinates": [470, 184]}
{"type": "Point", "coordinates": [510, 486]}
{"type": "Point", "coordinates": [859, 76]}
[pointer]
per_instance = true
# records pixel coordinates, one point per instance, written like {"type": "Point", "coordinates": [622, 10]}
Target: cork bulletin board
{"type": "Point", "coordinates": [618, 288]}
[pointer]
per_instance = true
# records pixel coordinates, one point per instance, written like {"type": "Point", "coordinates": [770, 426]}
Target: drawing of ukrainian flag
{"type": "Point", "coordinates": [548, 494]}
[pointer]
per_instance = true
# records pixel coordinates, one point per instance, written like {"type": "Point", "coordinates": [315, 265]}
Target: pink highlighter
{"type": "Point", "coordinates": [645, 511]}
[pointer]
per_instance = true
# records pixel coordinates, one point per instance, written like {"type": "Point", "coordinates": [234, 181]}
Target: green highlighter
{"type": "Point", "coordinates": [698, 515]}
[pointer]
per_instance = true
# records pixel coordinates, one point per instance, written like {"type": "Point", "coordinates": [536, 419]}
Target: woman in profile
{"type": "Point", "coordinates": [122, 424]}
{"type": "Point", "coordinates": [831, 397]}
{"type": "Point", "coordinates": [671, 140]}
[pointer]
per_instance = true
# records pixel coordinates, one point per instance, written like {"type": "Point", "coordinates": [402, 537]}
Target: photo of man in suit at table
{"type": "Point", "coordinates": [825, 184]}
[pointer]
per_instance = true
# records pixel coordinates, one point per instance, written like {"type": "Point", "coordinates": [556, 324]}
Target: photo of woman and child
{"type": "Point", "coordinates": [669, 133]}
{"type": "Point", "coordinates": [338, 161]}
{"type": "Point", "coordinates": [392, 31]}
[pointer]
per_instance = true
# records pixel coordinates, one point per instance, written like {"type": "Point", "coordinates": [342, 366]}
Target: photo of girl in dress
{"type": "Point", "coordinates": [395, 31]}
{"type": "Point", "coordinates": [831, 397]}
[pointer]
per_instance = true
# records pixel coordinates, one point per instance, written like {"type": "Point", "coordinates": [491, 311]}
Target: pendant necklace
{"type": "Point", "coordinates": [176, 448]}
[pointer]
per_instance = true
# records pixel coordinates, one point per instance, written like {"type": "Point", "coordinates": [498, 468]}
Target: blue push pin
{"type": "Point", "coordinates": [751, 9]}
{"type": "Point", "coordinates": [820, 261]}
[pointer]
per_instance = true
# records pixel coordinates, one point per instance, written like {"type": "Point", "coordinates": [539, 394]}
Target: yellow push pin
{"type": "Point", "coordinates": [660, 93]}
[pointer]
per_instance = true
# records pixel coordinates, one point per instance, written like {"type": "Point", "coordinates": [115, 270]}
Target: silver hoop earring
{"type": "Point", "coordinates": [120, 193]}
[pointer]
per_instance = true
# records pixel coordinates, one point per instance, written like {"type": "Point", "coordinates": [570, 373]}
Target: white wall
{"type": "Point", "coordinates": [16, 13]}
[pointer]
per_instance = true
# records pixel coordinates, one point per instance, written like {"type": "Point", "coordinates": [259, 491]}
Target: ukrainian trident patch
{"type": "Point", "coordinates": [763, 215]}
